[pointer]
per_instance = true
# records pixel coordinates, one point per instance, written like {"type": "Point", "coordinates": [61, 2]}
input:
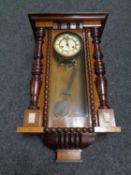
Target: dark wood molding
{"type": "Point", "coordinates": [68, 138]}
{"type": "Point", "coordinates": [69, 17]}
{"type": "Point", "coordinates": [47, 72]}
{"type": "Point", "coordinates": [90, 78]}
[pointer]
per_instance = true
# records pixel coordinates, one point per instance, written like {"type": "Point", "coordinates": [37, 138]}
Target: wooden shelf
{"type": "Point", "coordinates": [29, 129]}
{"type": "Point", "coordinates": [113, 129]}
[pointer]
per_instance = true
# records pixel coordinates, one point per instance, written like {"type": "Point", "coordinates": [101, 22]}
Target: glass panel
{"type": "Point", "coordinates": [67, 92]}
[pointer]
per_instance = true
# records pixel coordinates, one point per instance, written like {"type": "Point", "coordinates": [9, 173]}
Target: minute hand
{"type": "Point", "coordinates": [67, 42]}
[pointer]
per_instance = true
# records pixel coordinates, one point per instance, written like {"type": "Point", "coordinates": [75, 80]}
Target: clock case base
{"type": "Point", "coordinates": [68, 138]}
{"type": "Point", "coordinates": [68, 155]}
{"type": "Point", "coordinates": [69, 141]}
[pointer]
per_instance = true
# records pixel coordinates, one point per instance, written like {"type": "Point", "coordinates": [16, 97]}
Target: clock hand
{"type": "Point", "coordinates": [67, 42]}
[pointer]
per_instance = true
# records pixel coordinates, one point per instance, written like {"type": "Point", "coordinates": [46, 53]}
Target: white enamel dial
{"type": "Point", "coordinates": [67, 44]}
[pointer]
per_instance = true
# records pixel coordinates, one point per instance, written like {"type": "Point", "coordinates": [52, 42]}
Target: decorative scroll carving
{"type": "Point", "coordinates": [101, 82]}
{"type": "Point", "coordinates": [35, 82]}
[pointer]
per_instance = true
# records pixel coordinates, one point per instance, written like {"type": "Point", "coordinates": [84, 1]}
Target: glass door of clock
{"type": "Point", "coordinates": [67, 103]}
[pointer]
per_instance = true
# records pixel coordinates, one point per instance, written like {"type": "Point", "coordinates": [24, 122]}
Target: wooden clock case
{"type": "Point", "coordinates": [68, 139]}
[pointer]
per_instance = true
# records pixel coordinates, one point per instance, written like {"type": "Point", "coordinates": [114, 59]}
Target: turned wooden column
{"type": "Point", "coordinates": [101, 82]}
{"type": "Point", "coordinates": [35, 82]}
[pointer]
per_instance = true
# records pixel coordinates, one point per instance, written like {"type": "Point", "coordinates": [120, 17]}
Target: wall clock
{"type": "Point", "coordinates": [68, 89]}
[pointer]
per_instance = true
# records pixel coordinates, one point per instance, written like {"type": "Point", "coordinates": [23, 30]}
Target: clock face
{"type": "Point", "coordinates": [67, 45]}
